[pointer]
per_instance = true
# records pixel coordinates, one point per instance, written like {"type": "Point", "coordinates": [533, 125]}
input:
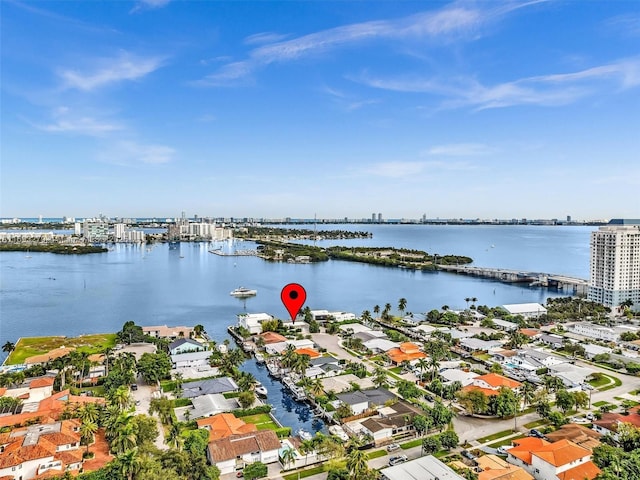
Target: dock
{"type": "Point", "coordinates": [578, 286]}
{"type": "Point", "coordinates": [235, 253]}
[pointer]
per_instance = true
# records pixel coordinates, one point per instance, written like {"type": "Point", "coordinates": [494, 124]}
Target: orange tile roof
{"type": "Point", "coordinates": [587, 470]}
{"type": "Point", "coordinates": [496, 380]}
{"type": "Point", "coordinates": [524, 446]}
{"type": "Point", "coordinates": [308, 351]}
{"type": "Point", "coordinates": [409, 347]}
{"type": "Point", "coordinates": [224, 425]}
{"type": "Point", "coordinates": [272, 337]}
{"type": "Point", "coordinates": [3, 390]}
{"type": "Point", "coordinates": [561, 452]}
{"type": "Point", "coordinates": [42, 382]}
{"type": "Point", "coordinates": [396, 355]}
{"type": "Point", "coordinates": [487, 462]}
{"type": "Point", "coordinates": [487, 391]}
{"type": "Point", "coordinates": [509, 473]}
{"type": "Point", "coordinates": [23, 454]}
{"type": "Point", "coordinates": [529, 332]}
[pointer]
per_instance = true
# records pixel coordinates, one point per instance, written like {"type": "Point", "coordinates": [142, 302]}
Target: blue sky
{"type": "Point", "coordinates": [270, 109]}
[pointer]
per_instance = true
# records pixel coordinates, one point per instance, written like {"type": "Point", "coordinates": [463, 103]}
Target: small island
{"type": "Point", "coordinates": [287, 234]}
{"type": "Point", "coordinates": [384, 256]}
{"type": "Point", "coordinates": [51, 248]}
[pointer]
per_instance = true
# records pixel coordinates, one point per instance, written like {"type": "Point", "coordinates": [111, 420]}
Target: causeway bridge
{"type": "Point", "coordinates": [577, 286]}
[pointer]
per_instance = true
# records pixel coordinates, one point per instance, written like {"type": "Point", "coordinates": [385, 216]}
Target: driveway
{"type": "Point", "coordinates": [142, 397]}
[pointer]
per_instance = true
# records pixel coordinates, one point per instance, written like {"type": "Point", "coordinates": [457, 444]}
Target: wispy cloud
{"type": "Point", "coordinates": [67, 121]}
{"type": "Point", "coordinates": [108, 71]}
{"type": "Point", "coordinates": [460, 149]}
{"type": "Point", "coordinates": [346, 101]}
{"type": "Point", "coordinates": [627, 24]}
{"type": "Point", "coordinates": [544, 90]}
{"type": "Point", "coordinates": [131, 153]}
{"type": "Point", "coordinates": [149, 5]}
{"type": "Point", "coordinates": [448, 23]}
{"type": "Point", "coordinates": [264, 37]}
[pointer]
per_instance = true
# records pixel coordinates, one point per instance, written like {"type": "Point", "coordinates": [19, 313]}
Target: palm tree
{"type": "Point", "coordinates": [289, 356]}
{"type": "Point", "coordinates": [473, 301]}
{"type": "Point", "coordinates": [129, 463]}
{"type": "Point", "coordinates": [301, 363]}
{"type": "Point", "coordinates": [366, 316]}
{"type": "Point", "coordinates": [357, 463]}
{"type": "Point", "coordinates": [8, 347]}
{"type": "Point", "coordinates": [445, 308]}
{"type": "Point", "coordinates": [198, 330]}
{"type": "Point", "coordinates": [528, 391]}
{"type": "Point", "coordinates": [121, 397]}
{"type": "Point", "coordinates": [307, 446]}
{"type": "Point", "coordinates": [385, 312]}
{"type": "Point", "coordinates": [316, 389]}
{"type": "Point", "coordinates": [179, 379]}
{"type": "Point", "coordinates": [380, 377]}
{"type": "Point", "coordinates": [288, 456]}
{"type": "Point", "coordinates": [422, 365]}
{"type": "Point", "coordinates": [89, 413]}
{"type": "Point", "coordinates": [161, 406]}
{"type": "Point", "coordinates": [376, 309]}
{"type": "Point", "coordinates": [125, 437]}
{"type": "Point", "coordinates": [246, 381]}
{"type": "Point", "coordinates": [173, 438]}
{"type": "Point", "coordinates": [87, 431]}
{"type": "Point", "coordinates": [402, 304]}
{"type": "Point", "coordinates": [467, 299]}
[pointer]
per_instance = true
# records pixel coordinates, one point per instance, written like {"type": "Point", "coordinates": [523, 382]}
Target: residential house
{"type": "Point", "coordinates": [578, 434]}
{"type": "Point", "coordinates": [609, 422]}
{"type": "Point", "coordinates": [209, 404]}
{"type": "Point", "coordinates": [504, 325]}
{"type": "Point", "coordinates": [554, 341]}
{"type": "Point", "coordinates": [342, 383]}
{"type": "Point", "coordinates": [224, 425]}
{"type": "Point", "coordinates": [406, 352]}
{"type": "Point", "coordinates": [278, 348]}
{"type": "Point", "coordinates": [571, 375]}
{"type": "Point", "coordinates": [601, 332]}
{"type": "Point", "coordinates": [185, 345]}
{"type": "Point", "coordinates": [414, 318]}
{"type": "Point", "coordinates": [362, 400]}
{"type": "Point", "coordinates": [352, 328]}
{"type": "Point", "coordinates": [561, 460]}
{"type": "Point", "coordinates": [236, 451]}
{"type": "Point", "coordinates": [477, 345]}
{"type": "Point", "coordinates": [253, 321]}
{"type": "Point", "coordinates": [272, 337]}
{"type": "Point", "coordinates": [456, 375]}
{"type": "Point", "coordinates": [491, 383]}
{"type": "Point", "coordinates": [392, 420]}
{"type": "Point", "coordinates": [422, 468]}
{"type": "Point", "coordinates": [47, 357]}
{"type": "Point", "coordinates": [370, 335]}
{"type": "Point", "coordinates": [172, 333]}
{"type": "Point", "coordinates": [191, 360]}
{"type": "Point", "coordinates": [208, 386]}
{"type": "Point", "coordinates": [380, 345]}
{"type": "Point", "coordinates": [495, 468]}
{"type": "Point", "coordinates": [503, 356]}
{"type": "Point", "coordinates": [32, 389]}
{"type": "Point", "coordinates": [310, 352]}
{"type": "Point", "coordinates": [527, 310]}
{"type": "Point", "coordinates": [531, 333]}
{"type": "Point", "coordinates": [33, 451]}
{"type": "Point", "coordinates": [591, 350]}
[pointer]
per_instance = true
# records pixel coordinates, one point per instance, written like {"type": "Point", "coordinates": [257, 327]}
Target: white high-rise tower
{"type": "Point", "coordinates": [615, 264]}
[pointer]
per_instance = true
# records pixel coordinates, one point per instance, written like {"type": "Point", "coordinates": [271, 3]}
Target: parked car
{"type": "Point", "coordinates": [468, 454]}
{"type": "Point", "coordinates": [134, 386]}
{"type": "Point", "coordinates": [392, 447]}
{"type": "Point", "coordinates": [397, 460]}
{"type": "Point", "coordinates": [429, 397]}
{"type": "Point", "coordinates": [536, 433]}
{"type": "Point", "coordinates": [590, 416]}
{"type": "Point", "coordinates": [503, 450]}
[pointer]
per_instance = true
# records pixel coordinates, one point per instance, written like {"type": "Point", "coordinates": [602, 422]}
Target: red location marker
{"type": "Point", "coordinates": [293, 296]}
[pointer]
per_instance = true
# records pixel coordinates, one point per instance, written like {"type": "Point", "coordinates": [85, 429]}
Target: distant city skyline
{"type": "Point", "coordinates": [514, 109]}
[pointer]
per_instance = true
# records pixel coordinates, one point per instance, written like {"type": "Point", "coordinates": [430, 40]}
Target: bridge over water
{"type": "Point", "coordinates": [578, 286]}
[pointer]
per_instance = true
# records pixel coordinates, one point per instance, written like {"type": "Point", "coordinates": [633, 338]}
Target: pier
{"type": "Point", "coordinates": [574, 285]}
{"type": "Point", "coordinates": [236, 253]}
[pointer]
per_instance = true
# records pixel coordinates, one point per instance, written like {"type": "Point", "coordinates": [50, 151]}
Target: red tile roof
{"type": "Point", "coordinates": [497, 381]}
{"type": "Point", "coordinates": [585, 471]}
{"type": "Point", "coordinates": [224, 425]}
{"type": "Point", "coordinates": [42, 382]}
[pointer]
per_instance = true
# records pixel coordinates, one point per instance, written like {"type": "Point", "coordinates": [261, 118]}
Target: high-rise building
{"type": "Point", "coordinates": [615, 264]}
{"type": "Point", "coordinates": [379, 218]}
{"type": "Point", "coordinates": [118, 231]}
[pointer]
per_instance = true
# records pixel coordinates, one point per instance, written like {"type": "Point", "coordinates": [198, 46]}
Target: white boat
{"type": "Point", "coordinates": [304, 435]}
{"type": "Point", "coordinates": [261, 390]}
{"type": "Point", "coordinates": [259, 358]}
{"type": "Point", "coordinates": [243, 292]}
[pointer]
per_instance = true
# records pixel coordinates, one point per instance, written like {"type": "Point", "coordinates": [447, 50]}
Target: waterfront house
{"type": "Point", "coordinates": [526, 310]}
{"type": "Point", "coordinates": [191, 360]}
{"type": "Point", "coordinates": [185, 345]}
{"type": "Point", "coordinates": [342, 383]}
{"type": "Point", "coordinates": [207, 405]}
{"type": "Point", "coordinates": [362, 400]}
{"type": "Point", "coordinates": [278, 348]}
{"type": "Point", "coordinates": [552, 340]}
{"type": "Point", "coordinates": [561, 460]}
{"type": "Point", "coordinates": [253, 321]}
{"type": "Point", "coordinates": [272, 337]}
{"type": "Point", "coordinates": [236, 451]}
{"type": "Point", "coordinates": [208, 386]}
{"type": "Point", "coordinates": [422, 468]}
{"type": "Point", "coordinates": [31, 389]}
{"type": "Point", "coordinates": [224, 425]}
{"type": "Point", "coordinates": [172, 333]}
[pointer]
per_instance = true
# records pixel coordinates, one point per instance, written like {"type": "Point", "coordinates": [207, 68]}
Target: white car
{"type": "Point", "coordinates": [503, 450]}
{"type": "Point", "coordinates": [338, 432]}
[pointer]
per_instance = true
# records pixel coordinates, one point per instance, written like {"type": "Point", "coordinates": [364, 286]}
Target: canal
{"type": "Point", "coordinates": [289, 412]}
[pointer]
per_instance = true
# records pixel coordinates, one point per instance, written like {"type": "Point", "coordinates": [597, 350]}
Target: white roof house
{"type": "Point", "coordinates": [504, 324]}
{"type": "Point", "coordinates": [279, 347]}
{"type": "Point", "coordinates": [571, 375]}
{"type": "Point", "coordinates": [525, 309]}
{"type": "Point", "coordinates": [192, 359]}
{"type": "Point", "coordinates": [380, 345]}
{"type": "Point", "coordinates": [253, 321]}
{"type": "Point", "coordinates": [354, 327]}
{"type": "Point", "coordinates": [455, 375]}
{"type": "Point", "coordinates": [423, 468]}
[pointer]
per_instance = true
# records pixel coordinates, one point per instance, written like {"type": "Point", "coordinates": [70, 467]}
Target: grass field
{"type": "Point", "coordinates": [262, 420]}
{"type": "Point", "coordinates": [537, 423]}
{"type": "Point", "coordinates": [505, 442]}
{"type": "Point", "coordinates": [495, 436]}
{"type": "Point", "coordinates": [601, 403]}
{"type": "Point", "coordinates": [29, 346]}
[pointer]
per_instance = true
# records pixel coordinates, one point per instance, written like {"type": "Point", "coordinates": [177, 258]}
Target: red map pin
{"type": "Point", "coordinates": [293, 296]}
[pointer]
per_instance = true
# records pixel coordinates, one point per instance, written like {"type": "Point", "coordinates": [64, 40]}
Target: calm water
{"type": "Point", "coordinates": [69, 295]}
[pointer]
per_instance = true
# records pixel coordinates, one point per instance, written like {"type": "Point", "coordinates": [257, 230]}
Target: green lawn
{"type": "Point", "coordinates": [413, 443]}
{"type": "Point", "coordinates": [605, 382]}
{"type": "Point", "coordinates": [395, 369]}
{"type": "Point", "coordinates": [262, 420]}
{"type": "Point", "coordinates": [29, 346]}
{"type": "Point", "coordinates": [506, 441]}
{"type": "Point", "coordinates": [306, 473]}
{"type": "Point", "coordinates": [537, 423]}
{"type": "Point", "coordinates": [495, 436]}
{"type": "Point", "coordinates": [601, 403]}
{"type": "Point", "coordinates": [376, 454]}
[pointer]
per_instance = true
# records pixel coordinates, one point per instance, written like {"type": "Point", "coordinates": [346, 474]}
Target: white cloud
{"type": "Point", "coordinates": [149, 5]}
{"type": "Point", "coordinates": [544, 90]}
{"type": "Point", "coordinates": [460, 149]}
{"type": "Point", "coordinates": [129, 153]}
{"type": "Point", "coordinates": [442, 25]}
{"type": "Point", "coordinates": [67, 121]}
{"type": "Point", "coordinates": [111, 70]}
{"type": "Point", "coordinates": [264, 37]}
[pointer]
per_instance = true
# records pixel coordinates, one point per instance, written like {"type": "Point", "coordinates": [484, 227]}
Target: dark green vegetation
{"type": "Point", "coordinates": [284, 251]}
{"type": "Point", "coordinates": [269, 233]}
{"type": "Point", "coordinates": [51, 248]}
